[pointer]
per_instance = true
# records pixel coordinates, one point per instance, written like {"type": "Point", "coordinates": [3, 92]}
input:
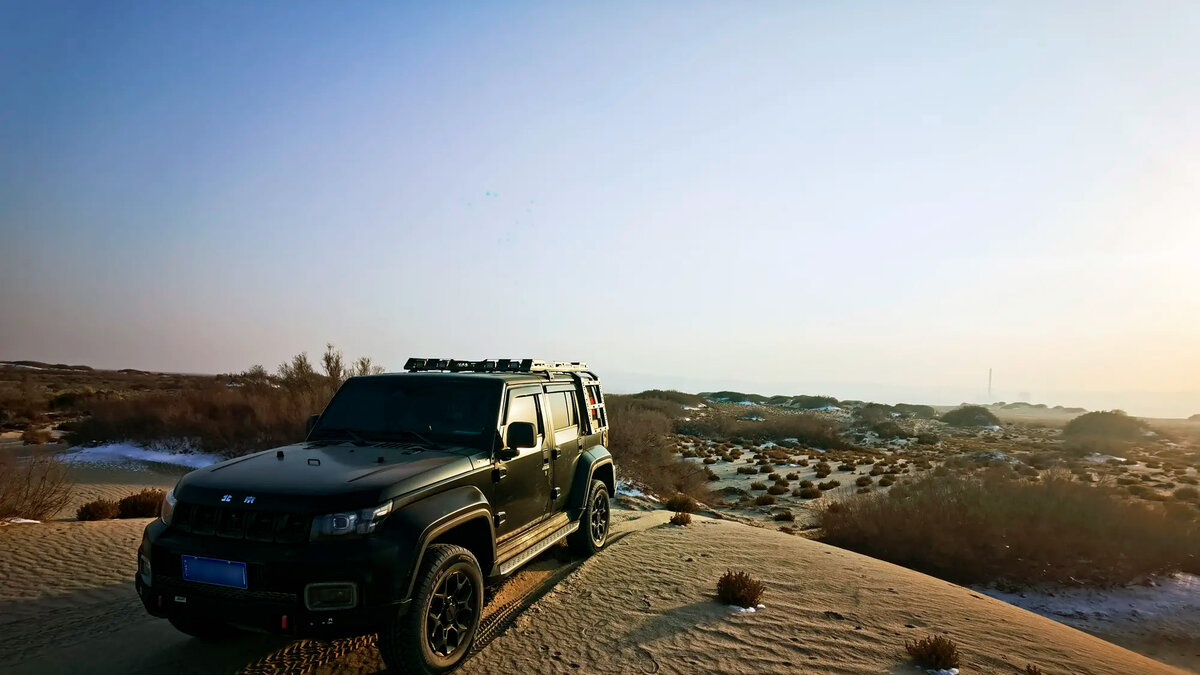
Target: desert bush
{"type": "Point", "coordinates": [936, 651]}
{"type": "Point", "coordinates": [784, 516]}
{"type": "Point", "coordinates": [34, 488]}
{"type": "Point", "coordinates": [889, 429]}
{"type": "Point", "coordinates": [766, 468]}
{"type": "Point", "coordinates": [1031, 669]}
{"type": "Point", "coordinates": [638, 440]}
{"type": "Point", "coordinates": [682, 518]}
{"type": "Point", "coordinates": [764, 500]}
{"type": "Point", "coordinates": [740, 589]}
{"type": "Point", "coordinates": [710, 460]}
{"type": "Point", "coordinates": [1111, 424]}
{"type": "Point", "coordinates": [829, 485]}
{"type": "Point", "coordinates": [144, 504]}
{"type": "Point", "coordinates": [1187, 493]}
{"type": "Point", "coordinates": [807, 493]}
{"type": "Point", "coordinates": [748, 470]}
{"type": "Point", "coordinates": [35, 436]}
{"type": "Point", "coordinates": [100, 509]}
{"type": "Point", "coordinates": [862, 481]}
{"type": "Point", "coordinates": [971, 416]}
{"type": "Point", "coordinates": [979, 529]}
{"type": "Point", "coordinates": [758, 485]}
{"type": "Point", "coordinates": [777, 489]}
{"type": "Point", "coordinates": [806, 483]}
{"type": "Point", "coordinates": [918, 411]}
{"type": "Point", "coordinates": [928, 438]}
{"type": "Point", "coordinates": [793, 476]}
{"type": "Point", "coordinates": [682, 503]}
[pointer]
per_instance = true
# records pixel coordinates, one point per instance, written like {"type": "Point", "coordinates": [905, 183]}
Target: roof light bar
{"type": "Point", "coordinates": [496, 366]}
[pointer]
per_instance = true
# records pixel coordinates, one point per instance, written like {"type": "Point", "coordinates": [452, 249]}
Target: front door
{"type": "Point", "coordinates": [523, 482]}
{"type": "Point", "coordinates": [567, 442]}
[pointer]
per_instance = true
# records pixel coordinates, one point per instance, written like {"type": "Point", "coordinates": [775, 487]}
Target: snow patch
{"type": "Point", "coordinates": [748, 610]}
{"type": "Point", "coordinates": [625, 489]}
{"type": "Point", "coordinates": [18, 521]}
{"type": "Point", "coordinates": [125, 454]}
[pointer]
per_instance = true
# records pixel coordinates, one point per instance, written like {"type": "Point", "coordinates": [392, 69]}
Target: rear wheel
{"type": "Point", "coordinates": [436, 632]}
{"type": "Point", "coordinates": [207, 630]}
{"type": "Point", "coordinates": [592, 534]}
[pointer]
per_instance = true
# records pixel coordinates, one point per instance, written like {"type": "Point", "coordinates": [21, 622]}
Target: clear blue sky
{"type": "Point", "coordinates": [874, 200]}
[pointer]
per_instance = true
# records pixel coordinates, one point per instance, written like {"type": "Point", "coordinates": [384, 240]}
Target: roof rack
{"type": "Point", "coordinates": [497, 366]}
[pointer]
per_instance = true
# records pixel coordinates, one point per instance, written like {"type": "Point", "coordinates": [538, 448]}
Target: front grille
{"type": "Point", "coordinates": [233, 522]}
{"type": "Point", "coordinates": [170, 584]}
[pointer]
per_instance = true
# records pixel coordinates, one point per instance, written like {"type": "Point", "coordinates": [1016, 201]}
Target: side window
{"type": "Point", "coordinates": [524, 409]}
{"type": "Point", "coordinates": [560, 409]}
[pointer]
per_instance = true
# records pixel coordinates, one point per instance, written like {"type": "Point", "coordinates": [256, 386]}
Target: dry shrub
{"type": "Point", "coordinates": [971, 416]}
{"type": "Point", "coordinates": [807, 493]}
{"type": "Point", "coordinates": [935, 651]}
{"type": "Point", "coordinates": [35, 488]}
{"type": "Point", "coordinates": [1031, 669]}
{"type": "Point", "coordinates": [1111, 424]}
{"type": "Point", "coordinates": [638, 440]}
{"type": "Point", "coordinates": [740, 589]}
{"type": "Point", "coordinates": [778, 489]}
{"type": "Point", "coordinates": [681, 518]}
{"type": "Point", "coordinates": [101, 509]}
{"type": "Point", "coordinates": [34, 436]}
{"type": "Point", "coordinates": [764, 500]}
{"type": "Point", "coordinates": [979, 529]}
{"type": "Point", "coordinates": [144, 504]}
{"type": "Point", "coordinates": [682, 503]}
{"type": "Point", "coordinates": [862, 481]}
{"type": "Point", "coordinates": [784, 516]}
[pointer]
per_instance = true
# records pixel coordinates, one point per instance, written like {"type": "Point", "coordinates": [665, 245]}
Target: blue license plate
{"type": "Point", "coordinates": [214, 571]}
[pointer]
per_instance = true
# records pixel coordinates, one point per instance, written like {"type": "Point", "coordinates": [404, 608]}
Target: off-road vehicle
{"type": "Point", "coordinates": [411, 492]}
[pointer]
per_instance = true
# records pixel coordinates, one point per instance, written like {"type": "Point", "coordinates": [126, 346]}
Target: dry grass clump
{"type": "Point", "coordinates": [36, 488]}
{"type": "Point", "coordinates": [758, 485]}
{"type": "Point", "coordinates": [1031, 669]}
{"type": "Point", "coordinates": [682, 503]}
{"type": "Point", "coordinates": [979, 529]}
{"type": "Point", "coordinates": [35, 436]}
{"type": "Point", "coordinates": [935, 651]}
{"type": "Point", "coordinates": [144, 504]}
{"type": "Point", "coordinates": [778, 489]}
{"type": "Point", "coordinates": [863, 481]}
{"type": "Point", "coordinates": [740, 589]}
{"type": "Point", "coordinates": [807, 492]}
{"type": "Point", "coordinates": [784, 516]}
{"type": "Point", "coordinates": [764, 500]}
{"type": "Point", "coordinates": [100, 509]}
{"type": "Point", "coordinates": [681, 519]}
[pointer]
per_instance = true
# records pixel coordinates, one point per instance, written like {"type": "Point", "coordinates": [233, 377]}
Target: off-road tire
{"type": "Point", "coordinates": [208, 631]}
{"type": "Point", "coordinates": [595, 522]}
{"type": "Point", "coordinates": [405, 643]}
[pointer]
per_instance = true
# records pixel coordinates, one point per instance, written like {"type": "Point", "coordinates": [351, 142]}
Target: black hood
{"type": "Point", "coordinates": [313, 477]}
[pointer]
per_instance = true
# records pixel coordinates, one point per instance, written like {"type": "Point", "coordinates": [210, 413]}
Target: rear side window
{"type": "Point", "coordinates": [562, 407]}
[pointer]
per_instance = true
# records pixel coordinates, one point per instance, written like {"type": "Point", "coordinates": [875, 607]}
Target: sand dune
{"type": "Point", "coordinates": [644, 605]}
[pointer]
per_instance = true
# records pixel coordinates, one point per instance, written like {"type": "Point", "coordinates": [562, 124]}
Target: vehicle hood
{"type": "Point", "coordinates": [311, 477]}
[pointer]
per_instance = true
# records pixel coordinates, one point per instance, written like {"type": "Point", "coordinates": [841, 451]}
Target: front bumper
{"type": "Point", "coordinates": [276, 578]}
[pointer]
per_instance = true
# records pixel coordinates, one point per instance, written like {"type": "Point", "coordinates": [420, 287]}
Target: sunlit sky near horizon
{"type": "Point", "coordinates": [872, 200]}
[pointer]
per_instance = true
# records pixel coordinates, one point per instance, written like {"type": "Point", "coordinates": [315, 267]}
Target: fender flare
{"type": "Point", "coordinates": [594, 459]}
{"type": "Point", "coordinates": [424, 520]}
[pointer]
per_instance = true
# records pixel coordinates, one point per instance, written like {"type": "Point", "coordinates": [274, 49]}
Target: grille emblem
{"type": "Point", "coordinates": [227, 498]}
{"type": "Point", "coordinates": [248, 500]}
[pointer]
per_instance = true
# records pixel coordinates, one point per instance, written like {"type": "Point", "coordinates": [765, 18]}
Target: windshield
{"type": "Point", "coordinates": [392, 408]}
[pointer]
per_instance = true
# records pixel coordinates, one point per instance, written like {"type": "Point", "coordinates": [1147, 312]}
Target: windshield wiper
{"type": "Point", "coordinates": [349, 432]}
{"type": "Point", "coordinates": [419, 436]}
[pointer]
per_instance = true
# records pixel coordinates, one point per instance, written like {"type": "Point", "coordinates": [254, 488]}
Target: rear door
{"type": "Point", "coordinates": [567, 439]}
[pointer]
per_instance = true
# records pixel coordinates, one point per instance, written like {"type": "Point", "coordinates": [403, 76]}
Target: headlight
{"type": "Point", "coordinates": [168, 507]}
{"type": "Point", "coordinates": [350, 522]}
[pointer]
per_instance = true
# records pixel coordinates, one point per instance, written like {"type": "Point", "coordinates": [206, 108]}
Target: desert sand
{"type": "Point", "coordinates": [644, 605]}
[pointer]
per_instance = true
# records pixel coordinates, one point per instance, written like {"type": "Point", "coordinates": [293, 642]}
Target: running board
{"type": "Point", "coordinates": [529, 553]}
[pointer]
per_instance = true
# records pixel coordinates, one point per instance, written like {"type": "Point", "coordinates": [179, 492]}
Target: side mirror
{"type": "Point", "coordinates": [312, 422]}
{"type": "Point", "coordinates": [520, 435]}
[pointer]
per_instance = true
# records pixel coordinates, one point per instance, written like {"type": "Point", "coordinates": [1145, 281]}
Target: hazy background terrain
{"type": "Point", "coordinates": [869, 201]}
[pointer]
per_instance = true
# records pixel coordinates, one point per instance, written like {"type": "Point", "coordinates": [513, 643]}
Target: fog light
{"type": "Point", "coordinates": [326, 596]}
{"type": "Point", "coordinates": [144, 567]}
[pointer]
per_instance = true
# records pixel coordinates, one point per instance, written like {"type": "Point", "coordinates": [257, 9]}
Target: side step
{"type": "Point", "coordinates": [540, 545]}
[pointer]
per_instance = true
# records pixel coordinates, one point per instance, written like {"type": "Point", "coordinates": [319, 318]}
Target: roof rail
{"type": "Point", "coordinates": [497, 366]}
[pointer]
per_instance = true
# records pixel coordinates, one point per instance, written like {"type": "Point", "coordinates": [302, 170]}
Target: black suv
{"type": "Point", "coordinates": [411, 492]}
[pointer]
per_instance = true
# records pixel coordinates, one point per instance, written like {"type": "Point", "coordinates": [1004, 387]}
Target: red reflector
{"type": "Point", "coordinates": [283, 622]}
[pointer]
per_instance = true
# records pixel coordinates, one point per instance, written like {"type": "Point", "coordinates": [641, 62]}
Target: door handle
{"type": "Point", "coordinates": [499, 473]}
{"type": "Point", "coordinates": [555, 454]}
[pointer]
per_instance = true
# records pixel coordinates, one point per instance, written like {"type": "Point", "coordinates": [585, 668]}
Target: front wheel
{"type": "Point", "coordinates": [436, 632]}
{"type": "Point", "coordinates": [592, 534]}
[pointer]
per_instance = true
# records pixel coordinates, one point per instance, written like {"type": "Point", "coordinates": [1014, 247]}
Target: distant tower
{"type": "Point", "coordinates": [989, 385]}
